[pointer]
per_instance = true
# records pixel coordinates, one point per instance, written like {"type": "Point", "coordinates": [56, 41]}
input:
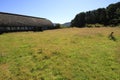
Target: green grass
{"type": "Point", "coordinates": [63, 54]}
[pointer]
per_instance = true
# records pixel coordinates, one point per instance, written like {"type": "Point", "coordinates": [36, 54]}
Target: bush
{"type": "Point", "coordinates": [57, 26]}
{"type": "Point", "coordinates": [94, 25]}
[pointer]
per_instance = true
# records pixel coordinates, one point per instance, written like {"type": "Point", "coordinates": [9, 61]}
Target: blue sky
{"type": "Point", "coordinates": [58, 11]}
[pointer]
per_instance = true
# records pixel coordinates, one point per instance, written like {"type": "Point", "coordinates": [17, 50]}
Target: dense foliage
{"type": "Point", "coordinates": [105, 16]}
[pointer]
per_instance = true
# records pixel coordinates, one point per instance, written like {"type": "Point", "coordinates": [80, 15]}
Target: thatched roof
{"type": "Point", "coordinates": [8, 19]}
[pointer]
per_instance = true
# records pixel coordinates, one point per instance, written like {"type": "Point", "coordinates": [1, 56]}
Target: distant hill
{"type": "Point", "coordinates": [67, 24]}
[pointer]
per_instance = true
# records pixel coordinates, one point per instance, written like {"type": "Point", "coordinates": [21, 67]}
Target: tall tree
{"type": "Point", "coordinates": [106, 16]}
{"type": "Point", "coordinates": [79, 20]}
{"type": "Point", "coordinates": [113, 13]}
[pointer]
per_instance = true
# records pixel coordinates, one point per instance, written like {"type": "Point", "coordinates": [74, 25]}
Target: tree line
{"type": "Point", "coordinates": [105, 16]}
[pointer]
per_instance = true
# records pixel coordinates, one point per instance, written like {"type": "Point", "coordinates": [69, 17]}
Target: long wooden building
{"type": "Point", "coordinates": [15, 22]}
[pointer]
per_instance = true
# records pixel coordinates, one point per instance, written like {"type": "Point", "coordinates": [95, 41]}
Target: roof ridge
{"type": "Point", "coordinates": [21, 15]}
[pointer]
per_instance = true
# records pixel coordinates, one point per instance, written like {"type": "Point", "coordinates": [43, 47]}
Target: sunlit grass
{"type": "Point", "coordinates": [63, 54]}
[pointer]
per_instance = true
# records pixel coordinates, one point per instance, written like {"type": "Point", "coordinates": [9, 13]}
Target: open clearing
{"type": "Point", "coordinates": [62, 54]}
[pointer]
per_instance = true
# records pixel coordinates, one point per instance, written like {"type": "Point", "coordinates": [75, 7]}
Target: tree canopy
{"type": "Point", "coordinates": [106, 16]}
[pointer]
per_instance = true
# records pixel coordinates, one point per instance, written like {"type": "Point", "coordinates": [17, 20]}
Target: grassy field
{"type": "Point", "coordinates": [62, 54]}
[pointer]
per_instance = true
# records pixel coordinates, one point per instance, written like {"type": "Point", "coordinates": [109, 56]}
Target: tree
{"type": "Point", "coordinates": [79, 20]}
{"type": "Point", "coordinates": [105, 16]}
{"type": "Point", "coordinates": [101, 16]}
{"type": "Point", "coordinates": [113, 13]}
{"type": "Point", "coordinates": [57, 26]}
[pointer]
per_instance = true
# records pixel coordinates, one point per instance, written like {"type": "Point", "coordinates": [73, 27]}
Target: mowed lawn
{"type": "Point", "coordinates": [61, 54]}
